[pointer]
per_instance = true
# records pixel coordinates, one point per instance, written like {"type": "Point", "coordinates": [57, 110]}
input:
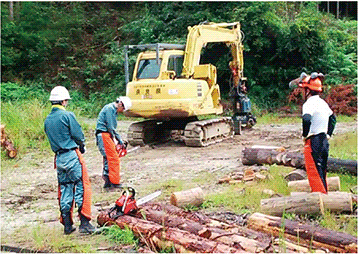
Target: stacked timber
{"type": "Point", "coordinates": [163, 226]}
{"type": "Point", "coordinates": [258, 155]}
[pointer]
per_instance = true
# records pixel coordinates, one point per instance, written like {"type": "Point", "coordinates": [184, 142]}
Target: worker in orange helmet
{"type": "Point", "coordinates": [318, 122]}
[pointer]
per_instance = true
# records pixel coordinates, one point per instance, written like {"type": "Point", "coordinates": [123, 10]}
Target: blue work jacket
{"type": "Point", "coordinates": [107, 121]}
{"type": "Point", "coordinates": [63, 130]}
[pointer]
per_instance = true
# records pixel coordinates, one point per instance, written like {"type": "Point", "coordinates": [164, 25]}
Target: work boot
{"type": "Point", "coordinates": [116, 186]}
{"type": "Point", "coordinates": [107, 183]}
{"type": "Point", "coordinates": [85, 226]}
{"type": "Point", "coordinates": [67, 223]}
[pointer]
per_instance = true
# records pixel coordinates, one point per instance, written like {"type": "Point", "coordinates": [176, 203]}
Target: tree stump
{"type": "Point", "coordinates": [298, 174]}
{"type": "Point", "coordinates": [333, 184]}
{"type": "Point", "coordinates": [194, 197]}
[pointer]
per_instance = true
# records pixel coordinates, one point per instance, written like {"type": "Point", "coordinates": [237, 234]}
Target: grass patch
{"type": "Point", "coordinates": [49, 239]}
{"type": "Point", "coordinates": [275, 118]}
{"type": "Point", "coordinates": [247, 197]}
{"type": "Point", "coordinates": [340, 223]}
{"type": "Point", "coordinates": [120, 236]}
{"type": "Point", "coordinates": [344, 146]}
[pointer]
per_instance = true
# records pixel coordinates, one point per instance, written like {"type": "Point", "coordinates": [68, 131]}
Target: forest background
{"type": "Point", "coordinates": [80, 45]}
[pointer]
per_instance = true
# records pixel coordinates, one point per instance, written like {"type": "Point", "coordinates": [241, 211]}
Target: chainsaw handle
{"type": "Point", "coordinates": [131, 190]}
{"type": "Point", "coordinates": [128, 191]}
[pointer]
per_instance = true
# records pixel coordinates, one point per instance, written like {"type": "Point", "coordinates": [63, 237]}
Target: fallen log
{"type": "Point", "coordinates": [216, 234]}
{"type": "Point", "coordinates": [252, 156]}
{"type": "Point", "coordinates": [305, 234]}
{"type": "Point", "coordinates": [335, 201]}
{"type": "Point", "coordinates": [7, 144]}
{"type": "Point", "coordinates": [194, 197]}
{"type": "Point", "coordinates": [161, 237]}
{"type": "Point", "coordinates": [309, 203]}
{"type": "Point", "coordinates": [333, 184]}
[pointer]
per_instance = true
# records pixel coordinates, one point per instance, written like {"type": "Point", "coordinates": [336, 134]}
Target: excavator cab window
{"type": "Point", "coordinates": [148, 69]}
{"type": "Point", "coordinates": [175, 63]}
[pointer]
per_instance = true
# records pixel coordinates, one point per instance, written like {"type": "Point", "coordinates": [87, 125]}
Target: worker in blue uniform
{"type": "Point", "coordinates": [68, 143]}
{"type": "Point", "coordinates": [108, 140]}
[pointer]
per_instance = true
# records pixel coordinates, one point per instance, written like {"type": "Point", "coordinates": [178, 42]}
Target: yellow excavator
{"type": "Point", "coordinates": [171, 88]}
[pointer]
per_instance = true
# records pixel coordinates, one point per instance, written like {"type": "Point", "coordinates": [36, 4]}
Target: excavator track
{"type": "Point", "coordinates": [146, 132]}
{"type": "Point", "coordinates": [207, 132]}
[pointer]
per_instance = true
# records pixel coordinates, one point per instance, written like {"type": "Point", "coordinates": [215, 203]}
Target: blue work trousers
{"type": "Point", "coordinates": [69, 175]}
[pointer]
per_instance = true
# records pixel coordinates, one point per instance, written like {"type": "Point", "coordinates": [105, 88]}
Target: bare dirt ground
{"type": "Point", "coordinates": [29, 185]}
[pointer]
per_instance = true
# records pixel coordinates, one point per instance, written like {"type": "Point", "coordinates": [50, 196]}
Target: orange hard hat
{"type": "Point", "coordinates": [314, 84]}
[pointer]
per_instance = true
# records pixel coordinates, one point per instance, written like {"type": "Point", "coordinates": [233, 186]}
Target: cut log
{"type": "Point", "coordinates": [333, 184]}
{"type": "Point", "coordinates": [304, 234]}
{"type": "Point", "coordinates": [215, 234]}
{"type": "Point", "coordinates": [252, 156]}
{"type": "Point", "coordinates": [161, 237]}
{"type": "Point", "coordinates": [298, 174]}
{"type": "Point", "coordinates": [310, 203]}
{"type": "Point", "coordinates": [7, 144]}
{"type": "Point", "coordinates": [194, 197]}
{"type": "Point", "coordinates": [335, 201]}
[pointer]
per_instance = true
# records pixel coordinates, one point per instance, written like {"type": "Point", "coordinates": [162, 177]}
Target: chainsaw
{"type": "Point", "coordinates": [122, 149]}
{"type": "Point", "coordinates": [127, 205]}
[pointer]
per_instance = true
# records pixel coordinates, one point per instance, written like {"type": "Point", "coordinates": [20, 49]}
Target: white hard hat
{"type": "Point", "coordinates": [59, 93]}
{"type": "Point", "coordinates": [127, 103]}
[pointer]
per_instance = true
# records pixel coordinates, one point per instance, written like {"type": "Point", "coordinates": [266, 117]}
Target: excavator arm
{"type": "Point", "coordinates": [202, 34]}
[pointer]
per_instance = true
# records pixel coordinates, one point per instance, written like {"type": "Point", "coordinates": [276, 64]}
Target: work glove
{"type": "Point", "coordinates": [82, 149]}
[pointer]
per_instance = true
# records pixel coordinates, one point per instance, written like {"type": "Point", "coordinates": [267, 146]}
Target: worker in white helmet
{"type": "Point", "coordinates": [108, 139]}
{"type": "Point", "coordinates": [68, 143]}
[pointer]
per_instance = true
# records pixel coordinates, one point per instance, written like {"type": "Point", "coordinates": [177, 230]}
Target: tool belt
{"type": "Point", "coordinates": [65, 150]}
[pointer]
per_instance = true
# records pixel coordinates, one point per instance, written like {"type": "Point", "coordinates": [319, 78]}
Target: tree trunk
{"type": "Point", "coordinates": [194, 197]}
{"type": "Point", "coordinates": [334, 201]}
{"type": "Point", "coordinates": [6, 144]}
{"type": "Point", "coordinates": [162, 237]}
{"type": "Point", "coordinates": [304, 233]}
{"type": "Point", "coordinates": [11, 10]}
{"type": "Point", "coordinates": [333, 184]}
{"type": "Point", "coordinates": [252, 156]}
{"type": "Point", "coordinates": [310, 203]}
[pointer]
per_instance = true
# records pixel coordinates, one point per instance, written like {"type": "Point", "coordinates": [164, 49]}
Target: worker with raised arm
{"type": "Point", "coordinates": [318, 123]}
{"type": "Point", "coordinates": [108, 140]}
{"type": "Point", "coordinates": [68, 143]}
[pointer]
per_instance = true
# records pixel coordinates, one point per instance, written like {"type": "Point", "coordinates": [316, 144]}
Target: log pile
{"type": "Point", "coordinates": [252, 156]}
{"type": "Point", "coordinates": [163, 226]}
{"type": "Point", "coordinates": [306, 235]}
{"type": "Point", "coordinates": [7, 144]}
